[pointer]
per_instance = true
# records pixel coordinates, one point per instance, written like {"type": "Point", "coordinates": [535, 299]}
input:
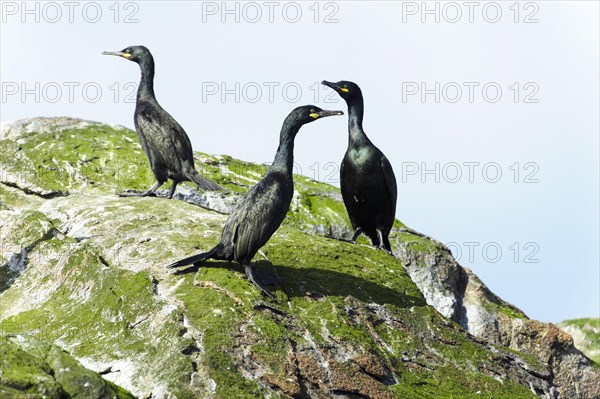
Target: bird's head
{"type": "Point", "coordinates": [132, 53]}
{"type": "Point", "coordinates": [349, 91]}
{"type": "Point", "coordinates": [309, 113]}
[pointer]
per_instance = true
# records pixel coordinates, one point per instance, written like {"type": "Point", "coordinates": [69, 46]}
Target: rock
{"type": "Point", "coordinates": [33, 369]}
{"type": "Point", "coordinates": [460, 295]}
{"type": "Point", "coordinates": [586, 335]}
{"type": "Point", "coordinates": [85, 270]}
{"type": "Point", "coordinates": [14, 129]}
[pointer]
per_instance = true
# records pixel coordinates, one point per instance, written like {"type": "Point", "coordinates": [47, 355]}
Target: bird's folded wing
{"type": "Point", "coordinates": [390, 180]}
{"type": "Point", "coordinates": [259, 218]}
{"type": "Point", "coordinates": [164, 135]}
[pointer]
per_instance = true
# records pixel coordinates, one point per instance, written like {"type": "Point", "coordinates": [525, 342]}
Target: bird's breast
{"type": "Point", "coordinates": [362, 162]}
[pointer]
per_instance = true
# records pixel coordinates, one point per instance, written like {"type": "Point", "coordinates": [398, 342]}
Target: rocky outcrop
{"type": "Point", "coordinates": [460, 295]}
{"type": "Point", "coordinates": [35, 370]}
{"type": "Point", "coordinates": [586, 335]}
{"type": "Point", "coordinates": [84, 269]}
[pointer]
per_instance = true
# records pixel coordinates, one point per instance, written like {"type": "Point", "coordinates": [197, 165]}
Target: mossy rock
{"type": "Point", "coordinates": [348, 321]}
{"type": "Point", "coordinates": [33, 369]}
{"type": "Point", "coordinates": [586, 334]}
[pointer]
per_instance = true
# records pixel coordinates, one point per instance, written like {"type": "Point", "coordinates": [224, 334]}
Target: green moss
{"type": "Point", "coordinates": [447, 383]}
{"type": "Point", "coordinates": [25, 372]}
{"type": "Point", "coordinates": [531, 360]}
{"type": "Point", "coordinates": [96, 156]}
{"type": "Point", "coordinates": [416, 243]}
{"type": "Point", "coordinates": [33, 369]}
{"type": "Point", "coordinates": [508, 310]}
{"type": "Point", "coordinates": [12, 198]}
{"type": "Point", "coordinates": [30, 229]}
{"type": "Point", "coordinates": [219, 332]}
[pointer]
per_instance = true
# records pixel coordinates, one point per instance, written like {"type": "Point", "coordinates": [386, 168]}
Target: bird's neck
{"type": "Point", "coordinates": [146, 88]}
{"type": "Point", "coordinates": [284, 157]}
{"type": "Point", "coordinates": [356, 133]}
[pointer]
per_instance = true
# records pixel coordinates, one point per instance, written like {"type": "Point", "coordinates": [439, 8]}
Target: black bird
{"type": "Point", "coordinates": [366, 177]}
{"type": "Point", "coordinates": [258, 215]}
{"type": "Point", "coordinates": [165, 142]}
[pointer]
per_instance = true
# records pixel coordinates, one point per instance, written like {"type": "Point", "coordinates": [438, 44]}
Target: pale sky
{"type": "Point", "coordinates": [497, 102]}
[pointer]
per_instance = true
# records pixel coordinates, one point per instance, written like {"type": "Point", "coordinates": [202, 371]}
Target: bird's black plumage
{"type": "Point", "coordinates": [165, 142]}
{"type": "Point", "coordinates": [367, 180]}
{"type": "Point", "coordinates": [258, 215]}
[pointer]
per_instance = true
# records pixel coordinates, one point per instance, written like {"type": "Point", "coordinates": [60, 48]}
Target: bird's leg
{"type": "Point", "coordinates": [381, 242]}
{"type": "Point", "coordinates": [357, 232]}
{"type": "Point", "coordinates": [149, 192]}
{"type": "Point", "coordinates": [152, 189]}
{"type": "Point", "coordinates": [252, 278]}
{"type": "Point", "coordinates": [172, 190]}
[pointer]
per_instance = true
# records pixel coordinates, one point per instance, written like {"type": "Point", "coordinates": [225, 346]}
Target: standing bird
{"type": "Point", "coordinates": [165, 142]}
{"type": "Point", "coordinates": [260, 213]}
{"type": "Point", "coordinates": [366, 177]}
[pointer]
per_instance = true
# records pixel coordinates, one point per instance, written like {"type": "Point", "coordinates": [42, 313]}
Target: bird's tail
{"type": "Point", "coordinates": [197, 258]}
{"type": "Point", "coordinates": [204, 183]}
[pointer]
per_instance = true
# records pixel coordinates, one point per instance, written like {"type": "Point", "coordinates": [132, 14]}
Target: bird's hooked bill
{"type": "Point", "coordinates": [329, 84]}
{"type": "Point", "coordinates": [323, 113]}
{"type": "Point", "coordinates": [334, 86]}
{"type": "Point", "coordinates": [117, 53]}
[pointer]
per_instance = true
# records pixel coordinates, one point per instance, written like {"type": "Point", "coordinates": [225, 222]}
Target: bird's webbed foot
{"type": "Point", "coordinates": [148, 193]}
{"type": "Point", "coordinates": [136, 194]}
{"type": "Point", "coordinates": [253, 278]}
{"type": "Point", "coordinates": [383, 248]}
